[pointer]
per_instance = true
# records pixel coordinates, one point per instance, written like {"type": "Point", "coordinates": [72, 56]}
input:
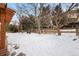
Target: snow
{"type": "Point", "coordinates": [68, 30]}
{"type": "Point", "coordinates": [44, 44]}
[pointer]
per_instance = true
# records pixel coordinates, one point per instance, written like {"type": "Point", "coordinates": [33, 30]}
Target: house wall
{"type": "Point", "coordinates": [72, 15]}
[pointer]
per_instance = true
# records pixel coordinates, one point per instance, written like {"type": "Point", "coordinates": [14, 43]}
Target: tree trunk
{"type": "Point", "coordinates": [20, 28]}
{"type": "Point", "coordinates": [58, 25]}
{"type": "Point", "coordinates": [39, 29]}
{"type": "Point", "coordinates": [58, 29]}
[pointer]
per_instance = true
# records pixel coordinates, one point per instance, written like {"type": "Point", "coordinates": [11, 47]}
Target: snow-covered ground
{"type": "Point", "coordinates": [68, 29]}
{"type": "Point", "coordinates": [44, 44]}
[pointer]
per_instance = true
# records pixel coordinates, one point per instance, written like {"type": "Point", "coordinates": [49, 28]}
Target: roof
{"type": "Point", "coordinates": [9, 14]}
{"type": "Point", "coordinates": [73, 11]}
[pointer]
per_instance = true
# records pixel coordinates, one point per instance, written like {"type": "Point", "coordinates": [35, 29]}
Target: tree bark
{"type": "Point", "coordinates": [58, 29]}
{"type": "Point", "coordinates": [38, 23]}
{"type": "Point", "coordinates": [58, 24]}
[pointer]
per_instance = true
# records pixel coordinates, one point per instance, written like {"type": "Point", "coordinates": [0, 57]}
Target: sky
{"type": "Point", "coordinates": [13, 6]}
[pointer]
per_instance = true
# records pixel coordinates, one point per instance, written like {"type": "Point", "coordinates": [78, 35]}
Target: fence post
{"type": "Point", "coordinates": [3, 32]}
{"type": "Point", "coordinates": [77, 30]}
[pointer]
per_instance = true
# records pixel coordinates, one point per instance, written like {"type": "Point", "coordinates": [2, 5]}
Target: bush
{"type": "Point", "coordinates": [13, 28]}
{"type": "Point", "coordinates": [28, 23]}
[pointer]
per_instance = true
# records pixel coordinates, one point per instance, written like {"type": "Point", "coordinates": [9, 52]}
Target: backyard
{"type": "Point", "coordinates": [43, 44]}
{"type": "Point", "coordinates": [39, 29]}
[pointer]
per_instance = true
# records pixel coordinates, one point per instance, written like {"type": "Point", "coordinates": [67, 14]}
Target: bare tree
{"type": "Point", "coordinates": [40, 11]}
{"type": "Point", "coordinates": [36, 13]}
{"type": "Point", "coordinates": [58, 11]}
{"type": "Point", "coordinates": [59, 14]}
{"type": "Point", "coordinates": [28, 9]}
{"type": "Point", "coordinates": [19, 12]}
